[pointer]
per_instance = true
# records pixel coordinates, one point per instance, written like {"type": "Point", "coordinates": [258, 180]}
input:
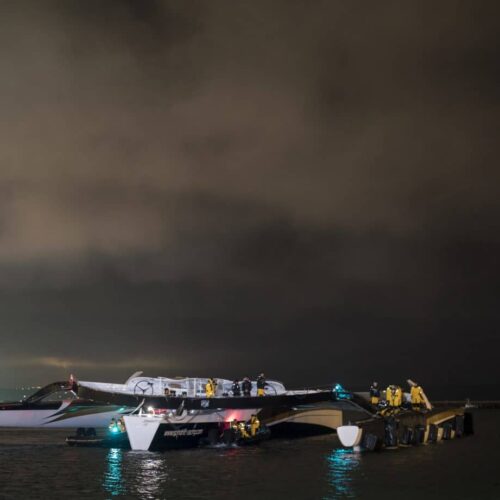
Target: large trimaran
{"type": "Point", "coordinates": [162, 413]}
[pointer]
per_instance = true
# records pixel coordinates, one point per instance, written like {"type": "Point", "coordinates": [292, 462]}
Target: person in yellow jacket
{"type": "Point", "coordinates": [416, 395]}
{"type": "Point", "coordinates": [261, 385]}
{"type": "Point", "coordinates": [243, 430]}
{"type": "Point", "coordinates": [389, 395]}
{"type": "Point", "coordinates": [398, 398]}
{"type": "Point", "coordinates": [210, 388]}
{"type": "Point", "coordinates": [394, 396]}
{"type": "Point", "coordinates": [254, 425]}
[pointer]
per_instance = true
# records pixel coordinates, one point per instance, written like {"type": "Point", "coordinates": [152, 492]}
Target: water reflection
{"type": "Point", "coordinates": [341, 465]}
{"type": "Point", "coordinates": [113, 480]}
{"type": "Point", "coordinates": [151, 475]}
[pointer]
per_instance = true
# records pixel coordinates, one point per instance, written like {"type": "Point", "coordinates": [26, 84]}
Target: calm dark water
{"type": "Point", "coordinates": [38, 464]}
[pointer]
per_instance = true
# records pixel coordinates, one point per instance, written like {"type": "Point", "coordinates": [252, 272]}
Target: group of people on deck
{"type": "Point", "coordinates": [394, 396]}
{"type": "Point", "coordinates": [237, 389]}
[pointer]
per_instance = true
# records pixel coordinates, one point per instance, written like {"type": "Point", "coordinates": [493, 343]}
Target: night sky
{"type": "Point", "coordinates": [219, 188]}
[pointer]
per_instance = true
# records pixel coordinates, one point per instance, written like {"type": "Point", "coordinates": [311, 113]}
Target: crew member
{"type": "Point", "coordinates": [112, 425]}
{"type": "Point", "coordinates": [121, 424]}
{"type": "Point", "coordinates": [394, 396]}
{"type": "Point", "coordinates": [398, 396]}
{"type": "Point", "coordinates": [416, 395]}
{"type": "Point", "coordinates": [261, 384]}
{"type": "Point", "coordinates": [246, 386]}
{"type": "Point", "coordinates": [390, 395]}
{"type": "Point", "coordinates": [210, 388]}
{"type": "Point", "coordinates": [243, 430]}
{"type": "Point", "coordinates": [254, 425]}
{"type": "Point", "coordinates": [374, 394]}
{"type": "Point", "coordinates": [72, 384]}
{"type": "Point", "coordinates": [236, 388]}
{"type": "Point", "coordinates": [235, 428]}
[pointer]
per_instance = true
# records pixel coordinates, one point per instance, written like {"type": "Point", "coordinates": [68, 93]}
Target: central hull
{"type": "Point", "coordinates": [156, 433]}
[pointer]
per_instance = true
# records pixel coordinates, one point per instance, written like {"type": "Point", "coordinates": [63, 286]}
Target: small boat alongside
{"type": "Point", "coordinates": [88, 438]}
{"type": "Point", "coordinates": [229, 437]}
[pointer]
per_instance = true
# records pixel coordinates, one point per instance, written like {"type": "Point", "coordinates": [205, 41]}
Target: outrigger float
{"type": "Point", "coordinates": [403, 426]}
{"type": "Point", "coordinates": [56, 406]}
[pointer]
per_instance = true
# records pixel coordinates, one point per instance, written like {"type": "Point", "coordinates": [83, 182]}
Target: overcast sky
{"type": "Point", "coordinates": [309, 188]}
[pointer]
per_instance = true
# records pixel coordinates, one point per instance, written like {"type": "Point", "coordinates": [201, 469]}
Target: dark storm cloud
{"type": "Point", "coordinates": [235, 185]}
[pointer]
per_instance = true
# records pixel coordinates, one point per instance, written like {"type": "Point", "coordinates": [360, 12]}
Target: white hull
{"type": "Point", "coordinates": [146, 432]}
{"type": "Point", "coordinates": [61, 417]}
